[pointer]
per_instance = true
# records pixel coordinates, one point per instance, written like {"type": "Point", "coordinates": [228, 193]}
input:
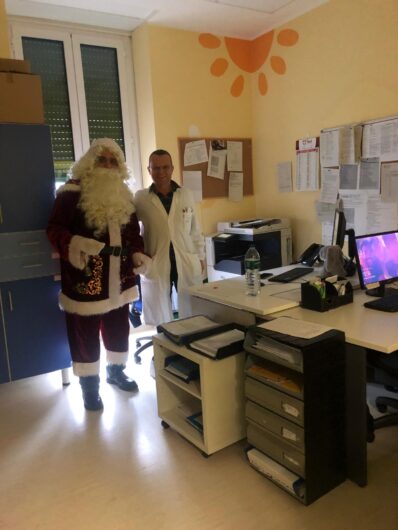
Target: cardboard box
{"type": "Point", "coordinates": [21, 99]}
{"type": "Point", "coordinates": [14, 65]}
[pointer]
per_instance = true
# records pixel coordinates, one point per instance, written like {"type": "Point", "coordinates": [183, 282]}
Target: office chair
{"type": "Point", "coordinates": [383, 369]}
{"type": "Point", "coordinates": [141, 343]}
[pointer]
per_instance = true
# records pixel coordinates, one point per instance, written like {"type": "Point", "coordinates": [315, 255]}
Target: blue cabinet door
{"type": "Point", "coordinates": [4, 367]}
{"type": "Point", "coordinates": [35, 327]}
{"type": "Point", "coordinates": [27, 180]}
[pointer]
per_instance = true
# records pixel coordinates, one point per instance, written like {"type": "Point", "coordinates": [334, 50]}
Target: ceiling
{"type": "Point", "coordinates": [246, 19]}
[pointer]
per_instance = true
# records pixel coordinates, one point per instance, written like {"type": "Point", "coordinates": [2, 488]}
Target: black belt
{"type": "Point", "coordinates": [115, 251]}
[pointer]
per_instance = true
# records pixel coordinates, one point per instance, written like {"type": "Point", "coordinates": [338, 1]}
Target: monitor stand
{"type": "Point", "coordinates": [381, 291]}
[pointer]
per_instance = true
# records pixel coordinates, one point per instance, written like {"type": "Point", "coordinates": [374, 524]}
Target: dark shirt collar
{"type": "Point", "coordinates": [174, 187]}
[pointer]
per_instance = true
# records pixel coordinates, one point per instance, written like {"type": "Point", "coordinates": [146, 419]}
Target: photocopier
{"type": "Point", "coordinates": [225, 250]}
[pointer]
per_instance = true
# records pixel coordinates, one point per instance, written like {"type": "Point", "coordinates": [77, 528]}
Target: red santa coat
{"type": "Point", "coordinates": [106, 282]}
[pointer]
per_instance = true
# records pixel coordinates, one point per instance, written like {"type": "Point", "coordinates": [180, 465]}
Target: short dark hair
{"type": "Point", "coordinates": [160, 152]}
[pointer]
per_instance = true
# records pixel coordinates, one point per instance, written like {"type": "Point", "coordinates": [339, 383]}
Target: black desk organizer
{"type": "Point", "coordinates": [311, 297]}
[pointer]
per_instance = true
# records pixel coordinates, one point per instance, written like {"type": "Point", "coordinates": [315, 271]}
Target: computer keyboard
{"type": "Point", "coordinates": [388, 303]}
{"type": "Point", "coordinates": [293, 274]}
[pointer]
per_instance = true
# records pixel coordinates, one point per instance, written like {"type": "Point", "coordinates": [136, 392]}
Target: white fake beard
{"type": "Point", "coordinates": [105, 197]}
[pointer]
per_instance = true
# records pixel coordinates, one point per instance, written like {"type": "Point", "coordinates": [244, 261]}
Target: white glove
{"type": "Point", "coordinates": [142, 263]}
{"type": "Point", "coordinates": [80, 248]}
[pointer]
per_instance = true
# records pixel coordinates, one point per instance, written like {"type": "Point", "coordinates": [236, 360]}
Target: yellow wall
{"type": "Point", "coordinates": [185, 95]}
{"type": "Point", "coordinates": [4, 48]}
{"type": "Point", "coordinates": [343, 69]}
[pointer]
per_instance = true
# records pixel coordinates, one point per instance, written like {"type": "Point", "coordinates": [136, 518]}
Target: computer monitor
{"type": "Point", "coordinates": [339, 229]}
{"type": "Point", "coordinates": [377, 260]}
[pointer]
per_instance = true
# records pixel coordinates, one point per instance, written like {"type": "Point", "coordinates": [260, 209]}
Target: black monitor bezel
{"type": "Point", "coordinates": [382, 283]}
{"type": "Point", "coordinates": [339, 228]}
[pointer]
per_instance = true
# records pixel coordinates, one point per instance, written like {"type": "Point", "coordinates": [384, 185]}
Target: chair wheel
{"type": "Point", "coordinates": [381, 408]}
{"type": "Point", "coordinates": [164, 424]}
{"type": "Point", "coordinates": [138, 343]}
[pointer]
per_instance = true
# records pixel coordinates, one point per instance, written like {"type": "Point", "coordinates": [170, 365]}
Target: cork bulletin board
{"type": "Point", "coordinates": [214, 187]}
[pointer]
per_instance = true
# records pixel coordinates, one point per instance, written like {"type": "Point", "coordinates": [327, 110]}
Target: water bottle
{"type": "Point", "coordinates": [252, 268]}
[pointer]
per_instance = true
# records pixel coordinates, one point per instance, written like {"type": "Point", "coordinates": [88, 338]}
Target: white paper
{"type": "Point", "coordinates": [307, 143]}
{"type": "Point", "coordinates": [381, 216]}
{"type": "Point", "coordinates": [330, 148]}
{"type": "Point", "coordinates": [284, 176]}
{"type": "Point", "coordinates": [235, 187]}
{"type": "Point", "coordinates": [307, 170]}
{"type": "Point", "coordinates": [295, 327]}
{"type": "Point", "coordinates": [327, 233]}
{"type": "Point", "coordinates": [355, 210]}
{"type": "Point", "coordinates": [350, 144]}
{"type": "Point", "coordinates": [195, 153]}
{"type": "Point", "coordinates": [349, 176]}
{"type": "Point", "coordinates": [369, 174]}
{"type": "Point", "coordinates": [330, 185]}
{"type": "Point", "coordinates": [325, 211]}
{"type": "Point", "coordinates": [234, 156]}
{"type": "Point", "coordinates": [389, 181]}
{"type": "Point", "coordinates": [380, 139]}
{"type": "Point", "coordinates": [193, 181]}
{"type": "Point", "coordinates": [216, 166]}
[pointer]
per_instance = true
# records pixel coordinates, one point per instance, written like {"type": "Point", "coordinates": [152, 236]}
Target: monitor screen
{"type": "Point", "coordinates": [339, 229]}
{"type": "Point", "coordinates": [377, 257]}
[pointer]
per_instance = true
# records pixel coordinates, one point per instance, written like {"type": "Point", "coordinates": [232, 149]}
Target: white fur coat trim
{"type": "Point", "coordinates": [69, 186]}
{"type": "Point", "coordinates": [86, 369]}
{"type": "Point", "coordinates": [115, 357]}
{"type": "Point", "coordinates": [99, 307]}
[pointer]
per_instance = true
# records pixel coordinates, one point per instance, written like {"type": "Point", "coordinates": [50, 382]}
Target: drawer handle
{"type": "Point", "coordinates": [32, 266]}
{"type": "Point", "coordinates": [27, 243]}
{"type": "Point", "coordinates": [10, 301]}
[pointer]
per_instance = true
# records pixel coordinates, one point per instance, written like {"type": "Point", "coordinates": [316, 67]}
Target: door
{"type": "Point", "coordinates": [35, 327]}
{"type": "Point", "coordinates": [27, 177]}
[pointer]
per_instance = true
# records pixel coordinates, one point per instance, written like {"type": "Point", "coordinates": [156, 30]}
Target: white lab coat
{"type": "Point", "coordinates": [182, 228]}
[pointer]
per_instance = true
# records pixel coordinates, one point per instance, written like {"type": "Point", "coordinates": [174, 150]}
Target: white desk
{"type": "Point", "coordinates": [364, 328]}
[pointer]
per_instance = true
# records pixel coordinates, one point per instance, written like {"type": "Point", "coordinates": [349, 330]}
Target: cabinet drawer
{"type": "Point", "coordinates": [276, 448]}
{"type": "Point", "coordinates": [24, 267]}
{"type": "Point", "coordinates": [283, 428]}
{"type": "Point", "coordinates": [15, 244]}
{"type": "Point", "coordinates": [282, 404]}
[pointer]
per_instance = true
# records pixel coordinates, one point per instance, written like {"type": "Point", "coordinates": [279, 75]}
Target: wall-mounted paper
{"type": "Point", "coordinates": [380, 139]}
{"type": "Point", "coordinates": [330, 184]}
{"type": "Point", "coordinates": [217, 159]}
{"type": "Point", "coordinates": [235, 192]}
{"type": "Point", "coordinates": [234, 156]}
{"type": "Point", "coordinates": [284, 176]}
{"type": "Point", "coordinates": [369, 174]}
{"type": "Point", "coordinates": [330, 148]}
{"type": "Point", "coordinates": [193, 181]}
{"type": "Point", "coordinates": [195, 153]}
{"type": "Point", "coordinates": [389, 182]}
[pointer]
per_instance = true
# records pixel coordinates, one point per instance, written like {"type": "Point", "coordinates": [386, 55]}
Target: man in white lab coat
{"type": "Point", "coordinates": [172, 237]}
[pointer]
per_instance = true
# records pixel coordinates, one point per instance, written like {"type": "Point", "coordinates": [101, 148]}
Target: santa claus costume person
{"type": "Point", "coordinates": [94, 228]}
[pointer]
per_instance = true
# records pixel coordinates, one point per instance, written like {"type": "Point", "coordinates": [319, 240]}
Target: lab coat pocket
{"type": "Point", "coordinates": [187, 214]}
{"type": "Point", "coordinates": [153, 272]}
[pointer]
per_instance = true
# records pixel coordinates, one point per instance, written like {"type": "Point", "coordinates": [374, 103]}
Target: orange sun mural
{"type": "Point", "coordinates": [249, 56]}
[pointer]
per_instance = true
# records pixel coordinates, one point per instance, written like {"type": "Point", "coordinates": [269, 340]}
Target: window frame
{"type": "Point", "coordinates": [72, 36]}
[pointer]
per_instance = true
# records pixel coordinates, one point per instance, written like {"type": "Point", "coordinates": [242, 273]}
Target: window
{"type": "Point", "coordinates": [88, 89]}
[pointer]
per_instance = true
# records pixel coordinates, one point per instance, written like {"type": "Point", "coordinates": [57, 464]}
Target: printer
{"type": "Point", "coordinates": [226, 249]}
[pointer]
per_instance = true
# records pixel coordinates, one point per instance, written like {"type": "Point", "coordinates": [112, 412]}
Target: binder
{"type": "Point", "coordinates": [182, 368]}
{"type": "Point", "coordinates": [220, 344]}
{"type": "Point", "coordinates": [186, 330]}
